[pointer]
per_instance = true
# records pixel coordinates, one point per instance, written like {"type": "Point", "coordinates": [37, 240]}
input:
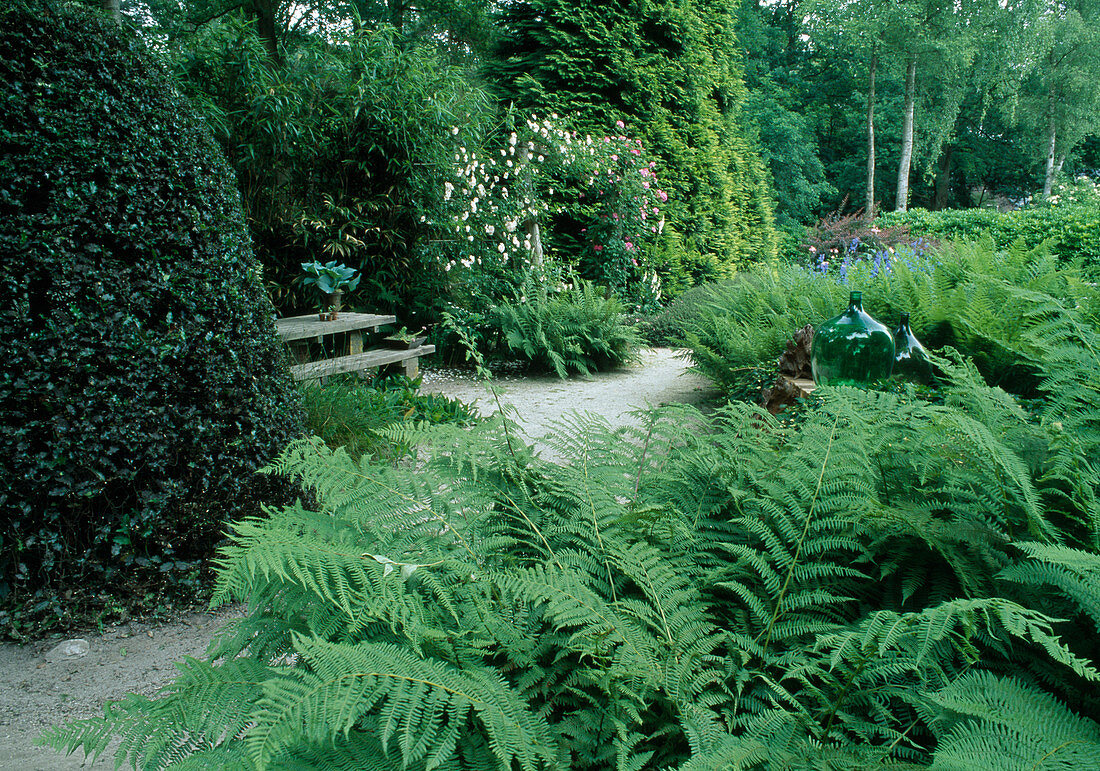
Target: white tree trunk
{"type": "Point", "coordinates": [1048, 172]}
{"type": "Point", "coordinates": [869, 204]}
{"type": "Point", "coordinates": [112, 9]}
{"type": "Point", "coordinates": [902, 203]}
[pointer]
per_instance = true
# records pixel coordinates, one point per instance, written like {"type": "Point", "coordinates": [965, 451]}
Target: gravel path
{"type": "Point", "coordinates": [38, 689]}
{"type": "Point", "coordinates": [538, 402]}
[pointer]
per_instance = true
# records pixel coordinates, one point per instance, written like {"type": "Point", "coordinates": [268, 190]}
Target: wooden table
{"type": "Point", "coordinates": [299, 331]}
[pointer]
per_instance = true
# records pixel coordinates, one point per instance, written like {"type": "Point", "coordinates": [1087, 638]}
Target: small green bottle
{"type": "Point", "coordinates": [851, 348]}
{"type": "Point", "coordinates": [910, 358]}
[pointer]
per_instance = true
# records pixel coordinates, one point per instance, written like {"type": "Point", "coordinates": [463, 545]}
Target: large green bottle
{"type": "Point", "coordinates": [851, 348]}
{"type": "Point", "coordinates": [910, 359]}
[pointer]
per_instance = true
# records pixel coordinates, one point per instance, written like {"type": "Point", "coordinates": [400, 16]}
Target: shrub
{"type": "Point", "coordinates": [594, 203]}
{"type": "Point", "coordinates": [839, 242]}
{"type": "Point", "coordinates": [670, 73]}
{"type": "Point", "coordinates": [339, 150]}
{"type": "Point", "coordinates": [838, 233]}
{"type": "Point", "coordinates": [1073, 229]}
{"type": "Point", "coordinates": [143, 381]}
{"type": "Point", "coordinates": [578, 330]}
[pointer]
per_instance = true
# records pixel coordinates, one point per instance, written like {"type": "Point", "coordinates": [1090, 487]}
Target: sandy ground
{"type": "Point", "coordinates": [538, 402]}
{"type": "Point", "coordinates": [39, 689]}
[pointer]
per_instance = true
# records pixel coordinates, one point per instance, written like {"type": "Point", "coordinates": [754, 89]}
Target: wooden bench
{"type": "Point", "coordinates": [355, 362]}
{"type": "Point", "coordinates": [299, 331]}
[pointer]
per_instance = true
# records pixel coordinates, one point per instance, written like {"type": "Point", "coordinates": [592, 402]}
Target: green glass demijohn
{"type": "Point", "coordinates": [852, 348]}
{"type": "Point", "coordinates": [910, 359]}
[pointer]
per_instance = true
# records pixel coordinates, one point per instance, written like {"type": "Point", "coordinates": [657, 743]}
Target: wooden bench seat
{"type": "Point", "coordinates": [376, 357]}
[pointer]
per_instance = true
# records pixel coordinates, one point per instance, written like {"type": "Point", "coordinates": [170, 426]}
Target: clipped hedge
{"type": "Point", "coordinates": [1073, 230]}
{"type": "Point", "coordinates": [143, 382]}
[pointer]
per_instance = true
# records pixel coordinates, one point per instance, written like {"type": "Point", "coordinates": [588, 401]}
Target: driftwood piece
{"type": "Point", "coordinates": [795, 361]}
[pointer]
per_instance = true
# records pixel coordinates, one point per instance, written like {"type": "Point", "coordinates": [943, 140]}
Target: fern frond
{"type": "Point", "coordinates": [994, 723]}
{"type": "Point", "coordinates": [201, 713]}
{"type": "Point", "coordinates": [1074, 572]}
{"type": "Point", "coordinates": [423, 705]}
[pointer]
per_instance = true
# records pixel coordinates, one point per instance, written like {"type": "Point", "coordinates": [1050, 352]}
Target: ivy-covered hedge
{"type": "Point", "coordinates": [1074, 230]}
{"type": "Point", "coordinates": [142, 382]}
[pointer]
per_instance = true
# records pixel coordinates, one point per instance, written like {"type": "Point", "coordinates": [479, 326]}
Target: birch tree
{"type": "Point", "coordinates": [930, 41]}
{"type": "Point", "coordinates": [1061, 102]}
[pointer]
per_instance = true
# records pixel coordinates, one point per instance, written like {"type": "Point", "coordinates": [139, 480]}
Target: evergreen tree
{"type": "Point", "coordinates": [669, 72]}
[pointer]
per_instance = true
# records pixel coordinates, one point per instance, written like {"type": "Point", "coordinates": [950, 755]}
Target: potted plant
{"type": "Point", "coordinates": [403, 339]}
{"type": "Point", "coordinates": [331, 280]}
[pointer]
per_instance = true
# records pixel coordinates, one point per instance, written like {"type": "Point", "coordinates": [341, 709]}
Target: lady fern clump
{"type": "Point", "coordinates": [577, 331]}
{"type": "Point", "coordinates": [889, 583]}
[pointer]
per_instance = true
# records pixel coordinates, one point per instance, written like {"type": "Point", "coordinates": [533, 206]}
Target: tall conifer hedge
{"type": "Point", "coordinates": [668, 71]}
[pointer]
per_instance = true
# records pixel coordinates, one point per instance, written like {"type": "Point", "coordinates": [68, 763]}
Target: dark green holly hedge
{"type": "Point", "coordinates": [142, 381]}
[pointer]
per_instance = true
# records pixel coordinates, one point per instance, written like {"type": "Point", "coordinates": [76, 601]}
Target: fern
{"type": "Point", "coordinates": [694, 592]}
{"type": "Point", "coordinates": [987, 722]}
{"type": "Point", "coordinates": [578, 331]}
{"type": "Point", "coordinates": [1075, 573]}
{"type": "Point", "coordinates": [200, 715]}
{"type": "Point", "coordinates": [423, 707]}
{"type": "Point", "coordinates": [1071, 356]}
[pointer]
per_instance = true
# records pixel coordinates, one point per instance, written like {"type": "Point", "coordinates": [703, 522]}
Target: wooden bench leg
{"type": "Point", "coordinates": [299, 351]}
{"type": "Point", "coordinates": [412, 367]}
